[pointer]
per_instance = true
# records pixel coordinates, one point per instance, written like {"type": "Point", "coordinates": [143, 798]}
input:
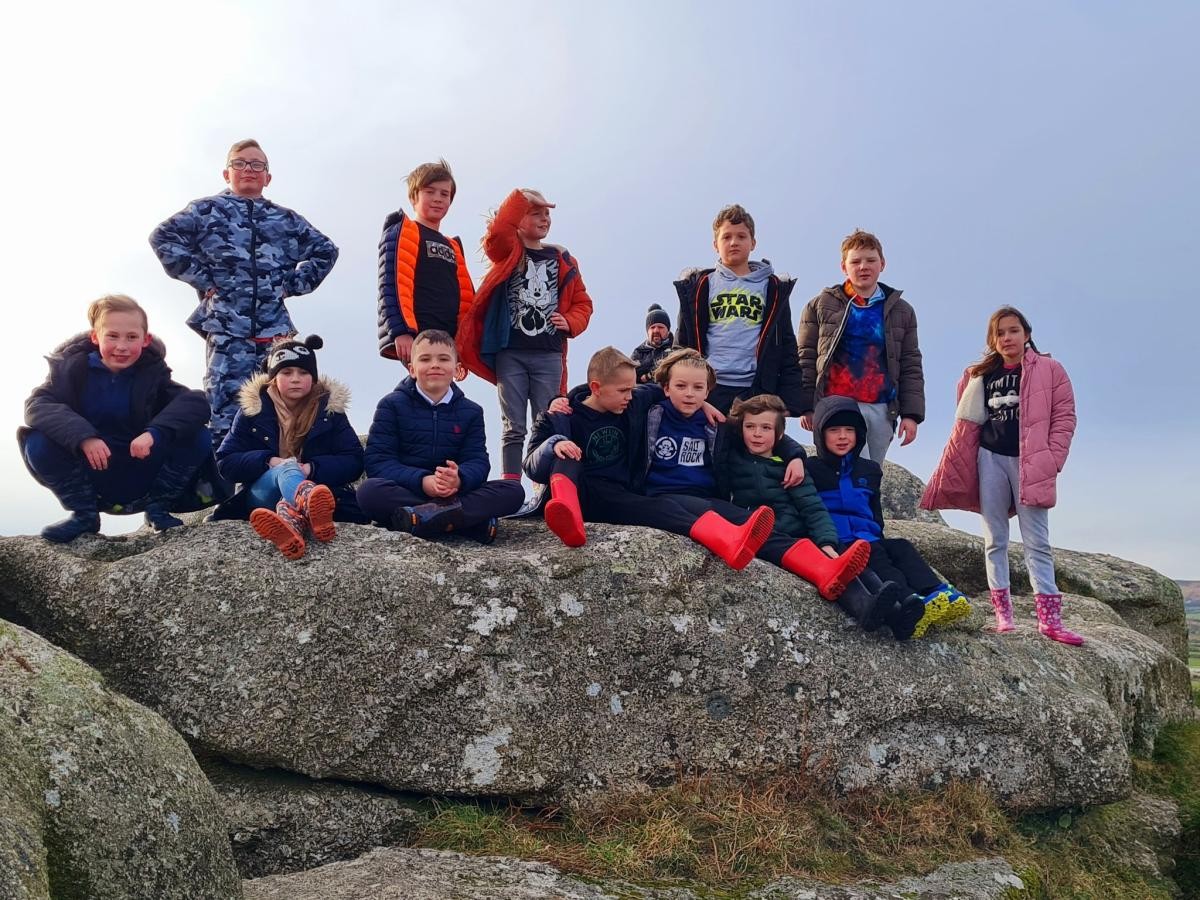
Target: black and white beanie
{"type": "Point", "coordinates": [294, 353]}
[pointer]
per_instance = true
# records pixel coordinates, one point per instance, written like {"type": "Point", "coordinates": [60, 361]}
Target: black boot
{"type": "Point", "coordinates": [75, 492]}
{"type": "Point", "coordinates": [168, 484]}
{"type": "Point", "coordinates": [903, 617]}
{"type": "Point", "coordinates": [484, 532]}
{"type": "Point", "coordinates": [428, 519]}
{"type": "Point", "coordinates": [869, 609]}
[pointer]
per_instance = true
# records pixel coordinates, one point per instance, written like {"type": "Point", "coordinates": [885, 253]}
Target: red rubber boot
{"type": "Point", "coordinates": [735, 544]}
{"type": "Point", "coordinates": [562, 512]}
{"type": "Point", "coordinates": [828, 574]}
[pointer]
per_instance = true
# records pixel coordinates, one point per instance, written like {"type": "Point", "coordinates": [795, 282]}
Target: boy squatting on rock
{"type": "Point", "coordinates": [849, 485]}
{"type": "Point", "coordinates": [859, 340]}
{"type": "Point", "coordinates": [109, 430]}
{"type": "Point", "coordinates": [738, 315]}
{"type": "Point", "coordinates": [426, 458]}
{"type": "Point", "coordinates": [245, 256]}
{"type": "Point", "coordinates": [294, 451]}
{"type": "Point", "coordinates": [597, 460]}
{"type": "Point", "coordinates": [423, 277]}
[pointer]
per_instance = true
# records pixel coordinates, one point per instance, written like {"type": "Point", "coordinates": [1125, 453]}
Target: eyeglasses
{"type": "Point", "coordinates": [254, 165]}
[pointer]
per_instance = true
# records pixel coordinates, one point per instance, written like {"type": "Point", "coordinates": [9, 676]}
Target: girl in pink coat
{"type": "Point", "coordinates": [1012, 433]}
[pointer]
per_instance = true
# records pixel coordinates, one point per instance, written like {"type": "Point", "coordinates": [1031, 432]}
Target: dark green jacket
{"type": "Point", "coordinates": [758, 481]}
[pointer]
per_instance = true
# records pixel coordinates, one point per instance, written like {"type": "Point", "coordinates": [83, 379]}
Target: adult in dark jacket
{"type": "Point", "coordinates": [777, 365]}
{"type": "Point", "coordinates": [659, 342]}
{"type": "Point", "coordinates": [850, 487]}
{"type": "Point", "coordinates": [151, 428]}
{"type": "Point", "coordinates": [426, 434]}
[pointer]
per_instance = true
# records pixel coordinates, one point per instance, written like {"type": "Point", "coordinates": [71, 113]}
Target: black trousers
{"type": "Point", "coordinates": [895, 559]}
{"type": "Point", "coordinates": [381, 498]}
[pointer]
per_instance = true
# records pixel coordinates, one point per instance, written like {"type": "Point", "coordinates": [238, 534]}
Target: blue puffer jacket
{"type": "Point", "coordinates": [332, 448]}
{"type": "Point", "coordinates": [253, 253]}
{"type": "Point", "coordinates": [849, 485]}
{"type": "Point", "coordinates": [410, 437]}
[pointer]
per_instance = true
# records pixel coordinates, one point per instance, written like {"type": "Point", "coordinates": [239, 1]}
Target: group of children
{"type": "Point", "coordinates": [646, 441]}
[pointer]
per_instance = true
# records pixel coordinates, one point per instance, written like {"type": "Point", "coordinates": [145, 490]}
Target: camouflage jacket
{"type": "Point", "coordinates": [253, 253]}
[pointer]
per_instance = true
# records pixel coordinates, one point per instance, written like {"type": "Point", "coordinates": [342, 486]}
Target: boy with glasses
{"type": "Point", "coordinates": [244, 255]}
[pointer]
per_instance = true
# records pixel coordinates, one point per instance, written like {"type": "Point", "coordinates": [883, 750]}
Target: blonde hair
{"type": "Point", "coordinates": [687, 357]}
{"type": "Point", "coordinates": [734, 214]}
{"type": "Point", "coordinates": [239, 146]}
{"type": "Point", "coordinates": [111, 303]}
{"type": "Point", "coordinates": [606, 363]}
{"type": "Point", "coordinates": [761, 403]}
{"type": "Point", "coordinates": [426, 174]}
{"type": "Point", "coordinates": [861, 240]}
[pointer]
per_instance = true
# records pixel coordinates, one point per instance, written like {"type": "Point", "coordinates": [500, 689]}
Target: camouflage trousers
{"type": "Point", "coordinates": [229, 362]}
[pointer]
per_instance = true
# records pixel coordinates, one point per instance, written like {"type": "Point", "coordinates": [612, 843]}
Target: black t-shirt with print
{"type": "Point", "coordinates": [604, 439]}
{"type": "Point", "coordinates": [435, 287]}
{"type": "Point", "coordinates": [532, 295]}
{"type": "Point", "coordinates": [1001, 433]}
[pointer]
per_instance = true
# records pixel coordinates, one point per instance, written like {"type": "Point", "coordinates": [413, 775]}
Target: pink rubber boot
{"type": "Point", "coordinates": [1002, 604]}
{"type": "Point", "coordinates": [1049, 613]}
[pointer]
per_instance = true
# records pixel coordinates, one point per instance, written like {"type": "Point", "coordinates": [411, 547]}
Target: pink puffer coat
{"type": "Point", "coordinates": [1047, 426]}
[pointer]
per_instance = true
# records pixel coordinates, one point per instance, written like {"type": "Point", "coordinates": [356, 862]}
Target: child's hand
{"type": "Point", "coordinates": [431, 487]}
{"type": "Point", "coordinates": [907, 431]}
{"type": "Point", "coordinates": [139, 447]}
{"type": "Point", "coordinates": [448, 478]}
{"type": "Point", "coordinates": [403, 345]}
{"type": "Point", "coordinates": [831, 552]}
{"type": "Point", "coordinates": [559, 321]}
{"type": "Point", "coordinates": [806, 421]}
{"type": "Point", "coordinates": [275, 461]}
{"type": "Point", "coordinates": [306, 468]}
{"type": "Point", "coordinates": [794, 473]}
{"type": "Point", "coordinates": [567, 450]}
{"type": "Point", "coordinates": [96, 452]}
{"type": "Point", "coordinates": [712, 414]}
{"type": "Point", "coordinates": [560, 405]}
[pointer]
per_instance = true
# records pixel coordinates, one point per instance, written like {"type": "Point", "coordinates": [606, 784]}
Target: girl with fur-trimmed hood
{"type": "Point", "coordinates": [293, 450]}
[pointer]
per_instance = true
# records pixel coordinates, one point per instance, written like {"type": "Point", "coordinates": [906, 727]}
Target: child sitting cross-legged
{"type": "Point", "coordinates": [293, 449]}
{"type": "Point", "coordinates": [751, 472]}
{"type": "Point", "coordinates": [849, 486]}
{"type": "Point", "coordinates": [427, 458]}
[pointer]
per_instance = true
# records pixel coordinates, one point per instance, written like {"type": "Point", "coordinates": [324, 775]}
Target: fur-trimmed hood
{"type": "Point", "coordinates": [250, 394]}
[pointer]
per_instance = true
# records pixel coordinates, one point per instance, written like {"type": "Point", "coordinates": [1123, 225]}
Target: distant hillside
{"type": "Point", "coordinates": [1191, 595]}
{"type": "Point", "coordinates": [1191, 608]}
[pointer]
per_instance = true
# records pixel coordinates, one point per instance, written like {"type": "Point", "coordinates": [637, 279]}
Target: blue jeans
{"type": "Point", "coordinates": [276, 484]}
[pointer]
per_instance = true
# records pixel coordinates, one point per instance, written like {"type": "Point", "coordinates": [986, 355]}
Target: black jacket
{"type": "Point", "coordinates": [778, 368]}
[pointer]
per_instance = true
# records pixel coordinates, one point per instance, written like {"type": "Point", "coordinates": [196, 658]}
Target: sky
{"type": "Point", "coordinates": [1028, 153]}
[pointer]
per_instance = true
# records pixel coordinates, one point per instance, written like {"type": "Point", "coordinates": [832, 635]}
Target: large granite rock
{"type": "Point", "coordinates": [280, 822]}
{"type": "Point", "coordinates": [99, 798]}
{"type": "Point", "coordinates": [439, 875]}
{"type": "Point", "coordinates": [531, 670]}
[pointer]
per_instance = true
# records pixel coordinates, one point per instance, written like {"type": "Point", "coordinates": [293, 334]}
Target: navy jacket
{"type": "Point", "coordinates": [332, 447]}
{"type": "Point", "coordinates": [849, 486]}
{"type": "Point", "coordinates": [157, 402]}
{"type": "Point", "coordinates": [777, 369]}
{"type": "Point", "coordinates": [410, 437]}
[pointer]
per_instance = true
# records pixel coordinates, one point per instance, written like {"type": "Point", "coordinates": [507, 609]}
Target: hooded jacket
{"type": "Point", "coordinates": [332, 447]}
{"type": "Point", "coordinates": [253, 253]}
{"type": "Point", "coordinates": [777, 369]}
{"type": "Point", "coordinates": [821, 327]}
{"type": "Point", "coordinates": [849, 485]}
{"type": "Point", "coordinates": [157, 404]}
{"type": "Point", "coordinates": [484, 330]}
{"type": "Point", "coordinates": [1047, 425]}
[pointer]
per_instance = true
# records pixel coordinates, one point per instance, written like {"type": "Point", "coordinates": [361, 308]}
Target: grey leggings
{"type": "Point", "coordinates": [524, 378]}
{"type": "Point", "coordinates": [999, 487]}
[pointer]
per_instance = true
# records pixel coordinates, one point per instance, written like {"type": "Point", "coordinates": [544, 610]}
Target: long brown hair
{"type": "Point", "coordinates": [992, 359]}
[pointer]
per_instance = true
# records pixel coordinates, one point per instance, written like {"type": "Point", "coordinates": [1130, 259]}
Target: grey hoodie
{"type": "Point", "coordinates": [736, 305]}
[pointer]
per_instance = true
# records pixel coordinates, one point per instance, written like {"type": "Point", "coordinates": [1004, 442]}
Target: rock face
{"type": "Point", "coordinates": [280, 822]}
{"type": "Point", "coordinates": [531, 670]}
{"type": "Point", "coordinates": [99, 798]}
{"type": "Point", "coordinates": [438, 875]}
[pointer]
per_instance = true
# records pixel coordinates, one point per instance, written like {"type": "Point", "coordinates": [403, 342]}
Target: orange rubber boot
{"type": "Point", "coordinates": [316, 503]}
{"type": "Point", "coordinates": [283, 527]}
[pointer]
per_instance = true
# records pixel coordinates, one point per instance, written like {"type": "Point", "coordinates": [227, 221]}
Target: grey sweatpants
{"type": "Point", "coordinates": [523, 378]}
{"type": "Point", "coordinates": [881, 428]}
{"type": "Point", "coordinates": [999, 487]}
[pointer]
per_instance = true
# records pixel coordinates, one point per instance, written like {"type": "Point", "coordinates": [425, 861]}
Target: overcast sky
{"type": "Point", "coordinates": [1039, 154]}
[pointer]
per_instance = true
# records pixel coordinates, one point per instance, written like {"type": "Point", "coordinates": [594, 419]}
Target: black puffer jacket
{"type": "Point", "coordinates": [753, 481]}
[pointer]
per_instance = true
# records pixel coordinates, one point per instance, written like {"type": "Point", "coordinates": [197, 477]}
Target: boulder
{"type": "Point", "coordinates": [534, 671]}
{"type": "Point", "coordinates": [441, 875]}
{"type": "Point", "coordinates": [1147, 601]}
{"type": "Point", "coordinates": [99, 798]}
{"type": "Point", "coordinates": [280, 822]}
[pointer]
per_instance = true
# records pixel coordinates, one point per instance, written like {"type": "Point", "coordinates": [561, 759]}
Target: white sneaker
{"type": "Point", "coordinates": [532, 502]}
